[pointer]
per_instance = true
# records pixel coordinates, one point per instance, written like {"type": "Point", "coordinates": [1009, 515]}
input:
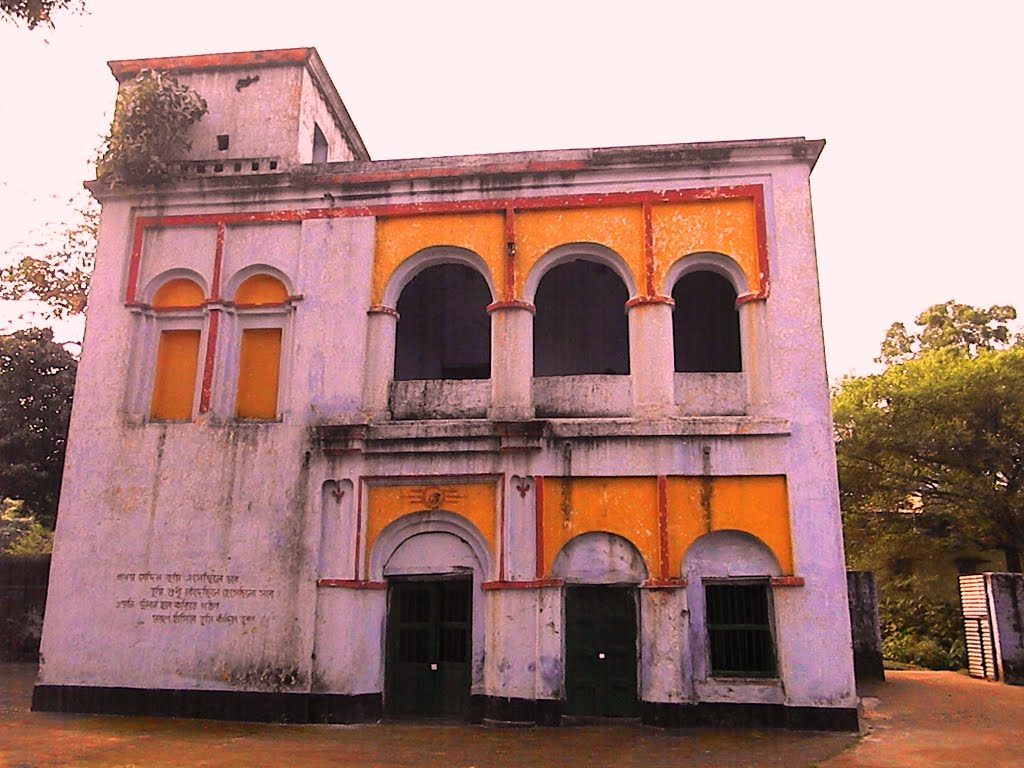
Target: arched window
{"type": "Point", "coordinates": [260, 302]}
{"type": "Point", "coordinates": [177, 357]}
{"type": "Point", "coordinates": [581, 325]}
{"type": "Point", "coordinates": [444, 331]}
{"type": "Point", "coordinates": [705, 324]}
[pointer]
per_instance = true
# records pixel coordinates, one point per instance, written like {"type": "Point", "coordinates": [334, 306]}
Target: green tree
{"type": "Point", "coordinates": [950, 326]}
{"type": "Point", "coordinates": [55, 268]}
{"type": "Point", "coordinates": [38, 13]}
{"type": "Point", "coordinates": [931, 463]}
{"type": "Point", "coordinates": [37, 379]}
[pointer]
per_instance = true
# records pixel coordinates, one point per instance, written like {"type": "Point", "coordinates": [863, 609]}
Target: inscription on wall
{"type": "Point", "coordinates": [203, 599]}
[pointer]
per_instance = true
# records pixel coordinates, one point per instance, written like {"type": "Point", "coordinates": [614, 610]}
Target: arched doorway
{"type": "Point", "coordinates": [433, 563]}
{"type": "Point", "coordinates": [601, 572]}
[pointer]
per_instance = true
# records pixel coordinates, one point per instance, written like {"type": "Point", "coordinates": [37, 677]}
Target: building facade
{"type": "Point", "coordinates": [512, 438]}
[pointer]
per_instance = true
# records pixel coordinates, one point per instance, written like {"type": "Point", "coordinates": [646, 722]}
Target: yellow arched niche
{"type": "Point", "coordinates": [621, 229]}
{"type": "Point", "coordinates": [400, 237]}
{"type": "Point", "coordinates": [758, 505]}
{"type": "Point", "coordinates": [629, 507]}
{"type": "Point", "coordinates": [625, 506]}
{"type": "Point", "coordinates": [728, 227]}
{"type": "Point", "coordinates": [477, 502]}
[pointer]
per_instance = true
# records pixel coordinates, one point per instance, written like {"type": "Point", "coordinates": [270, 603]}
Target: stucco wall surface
{"type": "Point", "coordinates": [221, 554]}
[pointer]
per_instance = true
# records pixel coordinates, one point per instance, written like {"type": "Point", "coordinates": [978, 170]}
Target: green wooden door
{"type": "Point", "coordinates": [429, 647]}
{"type": "Point", "coordinates": [600, 647]}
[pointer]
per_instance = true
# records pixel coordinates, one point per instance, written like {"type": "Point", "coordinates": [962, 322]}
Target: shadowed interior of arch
{"type": "Point", "coordinates": [444, 331]}
{"type": "Point", "coordinates": [705, 324]}
{"type": "Point", "coordinates": [581, 325]}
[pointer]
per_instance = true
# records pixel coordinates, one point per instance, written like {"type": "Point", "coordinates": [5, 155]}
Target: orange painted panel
{"type": "Point", "coordinates": [722, 226]}
{"type": "Point", "coordinates": [758, 505]}
{"type": "Point", "coordinates": [400, 237]}
{"type": "Point", "coordinates": [620, 229]}
{"type": "Point", "coordinates": [174, 386]}
{"type": "Point", "coordinates": [259, 373]}
{"type": "Point", "coordinates": [180, 292]}
{"type": "Point", "coordinates": [477, 502]}
{"type": "Point", "coordinates": [625, 506]}
{"type": "Point", "coordinates": [261, 289]}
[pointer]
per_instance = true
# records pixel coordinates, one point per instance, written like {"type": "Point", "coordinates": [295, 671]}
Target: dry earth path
{"type": "Point", "coordinates": [916, 719]}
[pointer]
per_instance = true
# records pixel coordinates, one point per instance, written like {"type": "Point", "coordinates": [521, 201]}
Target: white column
{"type": "Point", "coordinates": [511, 361]}
{"type": "Point", "coordinates": [651, 360]}
{"type": "Point", "coordinates": [380, 361]}
{"type": "Point", "coordinates": [756, 367]}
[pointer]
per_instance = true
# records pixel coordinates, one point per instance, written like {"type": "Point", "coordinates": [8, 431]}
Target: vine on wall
{"type": "Point", "coordinates": [150, 130]}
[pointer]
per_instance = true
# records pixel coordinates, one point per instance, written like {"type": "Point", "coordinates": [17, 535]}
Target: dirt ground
{"type": "Point", "coordinates": [915, 719]}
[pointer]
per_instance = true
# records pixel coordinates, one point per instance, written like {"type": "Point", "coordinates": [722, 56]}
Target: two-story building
{"type": "Point", "coordinates": [513, 438]}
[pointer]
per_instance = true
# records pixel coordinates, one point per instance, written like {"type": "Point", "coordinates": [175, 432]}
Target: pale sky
{"type": "Point", "coordinates": [916, 195]}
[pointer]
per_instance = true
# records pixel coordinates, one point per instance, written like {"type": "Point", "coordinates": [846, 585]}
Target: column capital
{"type": "Point", "coordinates": [646, 301]}
{"type": "Point", "coordinates": [511, 304]}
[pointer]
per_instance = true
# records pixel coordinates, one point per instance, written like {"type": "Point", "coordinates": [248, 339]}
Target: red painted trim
{"type": "Point", "coordinates": [648, 248]}
{"type": "Point", "coordinates": [211, 352]}
{"type": "Point", "coordinates": [538, 484]}
{"type": "Point", "coordinates": [501, 526]}
{"type": "Point", "coordinates": [760, 222]}
{"type": "Point", "coordinates": [664, 584]}
{"type": "Point", "coordinates": [749, 296]}
{"type": "Point", "coordinates": [359, 529]}
{"type": "Point", "coordinates": [511, 304]}
{"type": "Point", "coordinates": [352, 583]}
{"type": "Point", "coordinates": [534, 584]}
{"type": "Point", "coordinates": [641, 301]}
{"type": "Point", "coordinates": [218, 261]}
{"type": "Point", "coordinates": [128, 67]}
{"type": "Point", "coordinates": [380, 309]}
{"type": "Point", "coordinates": [754, 192]}
{"type": "Point", "coordinates": [663, 526]}
{"type": "Point", "coordinates": [787, 581]}
{"type": "Point", "coordinates": [135, 262]}
{"type": "Point", "coordinates": [555, 202]}
{"type": "Point", "coordinates": [510, 251]}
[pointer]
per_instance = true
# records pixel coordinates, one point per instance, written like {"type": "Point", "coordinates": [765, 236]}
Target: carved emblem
{"type": "Point", "coordinates": [432, 498]}
{"type": "Point", "coordinates": [435, 496]}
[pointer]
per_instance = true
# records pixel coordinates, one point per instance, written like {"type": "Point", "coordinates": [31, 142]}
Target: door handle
{"type": "Point", "coordinates": [433, 667]}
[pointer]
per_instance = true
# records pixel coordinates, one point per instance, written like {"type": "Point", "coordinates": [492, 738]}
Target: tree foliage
{"type": "Point", "coordinates": [150, 129]}
{"type": "Point", "coordinates": [949, 326]}
{"type": "Point", "coordinates": [940, 435]}
{"type": "Point", "coordinates": [37, 379]}
{"type": "Point", "coordinates": [20, 532]}
{"type": "Point", "coordinates": [931, 464]}
{"type": "Point", "coordinates": [38, 13]}
{"type": "Point", "coordinates": [55, 269]}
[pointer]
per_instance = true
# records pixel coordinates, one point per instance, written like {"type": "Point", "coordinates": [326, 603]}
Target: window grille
{"type": "Point", "coordinates": [739, 631]}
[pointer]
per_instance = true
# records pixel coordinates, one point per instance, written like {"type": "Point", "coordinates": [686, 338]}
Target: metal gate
{"type": "Point", "coordinates": [977, 613]}
{"type": "Point", "coordinates": [429, 647]}
{"type": "Point", "coordinates": [601, 654]}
